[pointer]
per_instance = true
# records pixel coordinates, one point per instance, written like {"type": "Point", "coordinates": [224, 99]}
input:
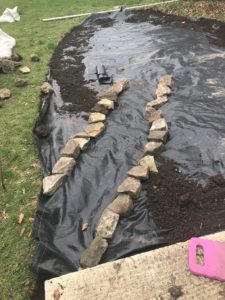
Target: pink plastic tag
{"type": "Point", "coordinates": [214, 258]}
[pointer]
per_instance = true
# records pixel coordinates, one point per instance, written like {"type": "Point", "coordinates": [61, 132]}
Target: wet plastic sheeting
{"type": "Point", "coordinates": [195, 112]}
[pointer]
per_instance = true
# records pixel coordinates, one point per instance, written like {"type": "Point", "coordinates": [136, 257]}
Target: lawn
{"type": "Point", "coordinates": [18, 156]}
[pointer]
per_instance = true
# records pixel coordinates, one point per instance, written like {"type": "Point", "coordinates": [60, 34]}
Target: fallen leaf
{"type": "Point", "coordinates": [84, 226]}
{"type": "Point", "coordinates": [26, 283]}
{"type": "Point", "coordinates": [3, 215]}
{"type": "Point", "coordinates": [21, 218]}
{"type": "Point", "coordinates": [31, 220]}
{"type": "Point", "coordinates": [22, 231]}
{"type": "Point", "coordinates": [56, 294]}
{"type": "Point", "coordinates": [34, 166]}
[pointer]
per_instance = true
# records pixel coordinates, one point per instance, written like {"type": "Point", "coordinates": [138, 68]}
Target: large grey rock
{"type": "Point", "coordinates": [152, 114]}
{"type": "Point", "coordinates": [95, 129]}
{"type": "Point", "coordinates": [107, 224]}
{"type": "Point", "coordinates": [91, 257]}
{"type": "Point", "coordinates": [46, 88]}
{"type": "Point", "coordinates": [82, 142]}
{"type": "Point", "coordinates": [158, 136]}
{"type": "Point", "coordinates": [140, 172]}
{"type": "Point", "coordinates": [159, 124]}
{"type": "Point", "coordinates": [149, 162]}
{"type": "Point", "coordinates": [122, 205]}
{"type": "Point", "coordinates": [166, 80]}
{"type": "Point", "coordinates": [130, 185]}
{"type": "Point", "coordinates": [52, 183]}
{"type": "Point", "coordinates": [71, 149]}
{"type": "Point", "coordinates": [116, 89]}
{"type": "Point", "coordinates": [19, 82]}
{"type": "Point", "coordinates": [96, 117]}
{"type": "Point", "coordinates": [103, 106]}
{"type": "Point", "coordinates": [5, 94]}
{"type": "Point", "coordinates": [64, 165]}
{"type": "Point", "coordinates": [152, 147]}
{"type": "Point", "coordinates": [162, 90]}
{"type": "Point", "coordinates": [157, 103]}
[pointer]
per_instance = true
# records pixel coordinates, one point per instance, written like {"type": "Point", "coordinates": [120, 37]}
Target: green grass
{"type": "Point", "coordinates": [18, 155]}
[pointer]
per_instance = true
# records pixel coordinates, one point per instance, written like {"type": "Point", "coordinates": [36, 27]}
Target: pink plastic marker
{"type": "Point", "coordinates": [214, 258]}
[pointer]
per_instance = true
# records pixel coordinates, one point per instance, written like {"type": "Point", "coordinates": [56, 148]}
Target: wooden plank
{"type": "Point", "coordinates": [158, 274]}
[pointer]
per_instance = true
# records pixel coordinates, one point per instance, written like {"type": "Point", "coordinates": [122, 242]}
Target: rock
{"type": "Point", "coordinates": [34, 58]}
{"type": "Point", "coordinates": [71, 149]}
{"type": "Point", "coordinates": [19, 82]}
{"type": "Point", "coordinates": [80, 135]}
{"type": "Point", "coordinates": [159, 124]}
{"type": "Point", "coordinates": [107, 224]}
{"type": "Point", "coordinates": [103, 106]}
{"type": "Point", "coordinates": [149, 162]}
{"type": "Point", "coordinates": [152, 114]}
{"type": "Point", "coordinates": [83, 142]}
{"type": "Point", "coordinates": [166, 80]}
{"type": "Point", "coordinates": [140, 172]}
{"type": "Point", "coordinates": [130, 185]}
{"type": "Point", "coordinates": [52, 183]}
{"type": "Point", "coordinates": [95, 129]}
{"type": "Point", "coordinates": [152, 147]}
{"type": "Point", "coordinates": [122, 205]}
{"type": "Point", "coordinates": [96, 117]}
{"type": "Point", "coordinates": [116, 89]}
{"type": "Point", "coordinates": [5, 94]}
{"type": "Point", "coordinates": [46, 88]}
{"type": "Point", "coordinates": [42, 130]}
{"type": "Point", "coordinates": [158, 102]}
{"type": "Point", "coordinates": [64, 165]}
{"type": "Point", "coordinates": [162, 90]}
{"type": "Point", "coordinates": [91, 257]}
{"type": "Point", "coordinates": [24, 70]}
{"type": "Point", "coordinates": [7, 66]}
{"type": "Point", "coordinates": [158, 136]}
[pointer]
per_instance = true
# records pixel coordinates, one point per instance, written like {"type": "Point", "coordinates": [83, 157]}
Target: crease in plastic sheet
{"type": "Point", "coordinates": [143, 52]}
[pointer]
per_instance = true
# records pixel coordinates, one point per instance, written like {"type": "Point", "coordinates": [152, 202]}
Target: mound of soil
{"type": "Point", "coordinates": [184, 207]}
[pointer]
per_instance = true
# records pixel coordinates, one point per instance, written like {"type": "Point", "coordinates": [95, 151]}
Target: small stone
{"type": "Point", "coordinates": [71, 149]}
{"type": "Point", "coordinates": [107, 224]}
{"type": "Point", "coordinates": [24, 70]}
{"type": "Point", "coordinates": [152, 114]}
{"type": "Point", "coordinates": [80, 135]}
{"type": "Point", "coordinates": [103, 106]}
{"type": "Point", "coordinates": [83, 142]}
{"type": "Point", "coordinates": [162, 90]}
{"type": "Point", "coordinates": [117, 88]}
{"type": "Point", "coordinates": [95, 129]}
{"type": "Point", "coordinates": [7, 66]}
{"type": "Point", "coordinates": [64, 165]}
{"type": "Point", "coordinates": [42, 130]}
{"type": "Point", "coordinates": [19, 82]}
{"type": "Point", "coordinates": [158, 102]}
{"type": "Point", "coordinates": [140, 172]}
{"type": "Point", "coordinates": [159, 124]}
{"type": "Point", "coordinates": [5, 94]}
{"type": "Point", "coordinates": [130, 185]}
{"type": "Point", "coordinates": [91, 257]}
{"type": "Point", "coordinates": [166, 80]}
{"type": "Point", "coordinates": [34, 58]}
{"type": "Point", "coordinates": [16, 57]}
{"type": "Point", "coordinates": [152, 147]}
{"type": "Point", "coordinates": [96, 117]}
{"type": "Point", "coordinates": [149, 162]}
{"type": "Point", "coordinates": [122, 205]}
{"type": "Point", "coordinates": [52, 183]}
{"type": "Point", "coordinates": [46, 88]}
{"type": "Point", "coordinates": [158, 136]}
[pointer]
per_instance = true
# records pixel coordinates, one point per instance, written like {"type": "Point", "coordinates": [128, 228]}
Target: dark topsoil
{"type": "Point", "coordinates": [181, 206]}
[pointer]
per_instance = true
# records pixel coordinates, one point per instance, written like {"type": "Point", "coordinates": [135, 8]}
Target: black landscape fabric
{"type": "Point", "coordinates": [141, 46]}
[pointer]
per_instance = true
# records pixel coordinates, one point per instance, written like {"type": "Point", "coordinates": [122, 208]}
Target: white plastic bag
{"type": "Point", "coordinates": [10, 15]}
{"type": "Point", "coordinates": [6, 44]}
